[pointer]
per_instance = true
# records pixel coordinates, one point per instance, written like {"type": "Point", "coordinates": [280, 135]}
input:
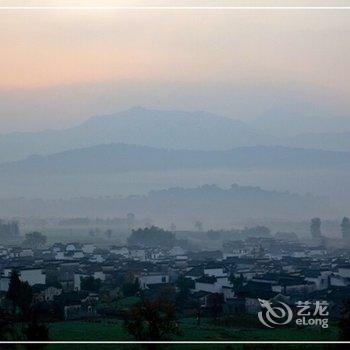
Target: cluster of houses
{"type": "Point", "coordinates": [242, 272]}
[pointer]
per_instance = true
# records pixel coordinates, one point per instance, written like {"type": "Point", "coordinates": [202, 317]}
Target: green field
{"type": "Point", "coordinates": [207, 331]}
{"type": "Point", "coordinates": [114, 330]}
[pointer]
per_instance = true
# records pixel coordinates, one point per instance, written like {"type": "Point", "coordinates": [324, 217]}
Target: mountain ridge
{"type": "Point", "coordinates": [121, 157]}
{"type": "Point", "coordinates": [170, 129]}
{"type": "Point", "coordinates": [163, 129]}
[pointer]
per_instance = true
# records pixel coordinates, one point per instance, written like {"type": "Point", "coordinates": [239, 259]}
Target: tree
{"type": "Point", "coordinates": [167, 292]}
{"type": "Point", "coordinates": [36, 332]}
{"type": "Point", "coordinates": [215, 303]}
{"type": "Point", "coordinates": [35, 239]}
{"type": "Point", "coordinates": [237, 282]}
{"type": "Point", "coordinates": [152, 320]}
{"type": "Point", "coordinates": [214, 235]}
{"type": "Point", "coordinates": [14, 287]}
{"type": "Point", "coordinates": [130, 219]}
{"type": "Point", "coordinates": [130, 288]}
{"type": "Point", "coordinates": [198, 308]}
{"type": "Point", "coordinates": [256, 231]}
{"type": "Point", "coordinates": [8, 330]}
{"type": "Point", "coordinates": [9, 229]}
{"type": "Point", "coordinates": [90, 284]}
{"type": "Point", "coordinates": [344, 323]}
{"type": "Point", "coordinates": [315, 228]}
{"type": "Point", "coordinates": [152, 237]}
{"type": "Point", "coordinates": [185, 285]}
{"type": "Point", "coordinates": [25, 297]}
{"type": "Point", "coordinates": [345, 228]}
{"type": "Point", "coordinates": [108, 233]}
{"type": "Point", "coordinates": [198, 226]}
{"type": "Point", "coordinates": [287, 236]}
{"type": "Point", "coordinates": [20, 293]}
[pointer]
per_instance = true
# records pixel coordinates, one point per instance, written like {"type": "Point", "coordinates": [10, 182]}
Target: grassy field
{"type": "Point", "coordinates": [127, 303]}
{"type": "Point", "coordinates": [114, 330]}
{"type": "Point", "coordinates": [193, 347]}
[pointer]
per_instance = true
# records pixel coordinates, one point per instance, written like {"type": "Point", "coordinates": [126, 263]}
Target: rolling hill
{"type": "Point", "coordinates": [215, 206]}
{"type": "Point", "coordinates": [119, 158]}
{"type": "Point", "coordinates": [163, 129]}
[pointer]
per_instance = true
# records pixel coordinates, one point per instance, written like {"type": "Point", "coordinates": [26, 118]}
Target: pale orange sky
{"type": "Point", "coordinates": [43, 49]}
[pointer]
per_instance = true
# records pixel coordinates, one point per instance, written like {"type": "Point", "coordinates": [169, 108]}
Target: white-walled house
{"type": "Point", "coordinates": [319, 278]}
{"type": "Point", "coordinates": [4, 283]}
{"type": "Point", "coordinates": [299, 254]}
{"type": "Point", "coordinates": [78, 254]}
{"type": "Point", "coordinates": [155, 255]}
{"type": "Point", "coordinates": [56, 249]}
{"type": "Point", "coordinates": [215, 271]}
{"type": "Point", "coordinates": [152, 278]}
{"type": "Point", "coordinates": [99, 275]}
{"type": "Point", "coordinates": [26, 253]}
{"type": "Point", "coordinates": [181, 261]}
{"type": "Point", "coordinates": [88, 248]}
{"type": "Point", "coordinates": [50, 293]}
{"type": "Point", "coordinates": [137, 254]}
{"type": "Point", "coordinates": [176, 251]}
{"type": "Point", "coordinates": [7, 272]}
{"type": "Point", "coordinates": [294, 287]}
{"type": "Point", "coordinates": [123, 251]}
{"type": "Point", "coordinates": [77, 280]}
{"type": "Point", "coordinates": [342, 277]}
{"type": "Point", "coordinates": [63, 256]}
{"type": "Point", "coordinates": [339, 281]}
{"type": "Point", "coordinates": [317, 251]}
{"type": "Point", "coordinates": [194, 272]}
{"type": "Point", "coordinates": [228, 292]}
{"type": "Point", "coordinates": [238, 252]}
{"type": "Point", "coordinates": [32, 276]}
{"type": "Point", "coordinates": [97, 258]}
{"type": "Point", "coordinates": [212, 284]}
{"type": "Point", "coordinates": [20, 252]}
{"type": "Point", "coordinates": [71, 247]}
{"type": "Point", "coordinates": [344, 271]}
{"type": "Point", "coordinates": [207, 284]}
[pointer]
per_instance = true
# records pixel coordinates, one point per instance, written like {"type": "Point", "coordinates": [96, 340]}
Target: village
{"type": "Point", "coordinates": [82, 281]}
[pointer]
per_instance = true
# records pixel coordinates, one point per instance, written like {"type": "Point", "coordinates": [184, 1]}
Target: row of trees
{"type": "Point", "coordinates": [148, 320]}
{"type": "Point", "coordinates": [9, 229]}
{"type": "Point", "coordinates": [19, 319]}
{"type": "Point", "coordinates": [152, 237]}
{"type": "Point", "coordinates": [316, 232]}
{"type": "Point", "coordinates": [34, 239]}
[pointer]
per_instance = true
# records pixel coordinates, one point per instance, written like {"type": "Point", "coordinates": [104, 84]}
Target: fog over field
{"type": "Point", "coordinates": [100, 158]}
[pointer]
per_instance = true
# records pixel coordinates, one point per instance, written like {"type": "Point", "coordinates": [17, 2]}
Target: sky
{"type": "Point", "coordinates": [59, 67]}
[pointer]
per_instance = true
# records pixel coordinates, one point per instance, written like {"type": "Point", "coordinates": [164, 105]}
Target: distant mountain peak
{"type": "Point", "coordinates": [143, 112]}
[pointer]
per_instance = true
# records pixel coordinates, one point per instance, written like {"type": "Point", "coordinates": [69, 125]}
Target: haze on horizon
{"type": "Point", "coordinates": [59, 68]}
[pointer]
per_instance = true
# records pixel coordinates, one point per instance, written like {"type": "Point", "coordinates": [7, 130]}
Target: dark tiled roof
{"type": "Point", "coordinates": [200, 294]}
{"type": "Point", "coordinates": [195, 272]}
{"type": "Point", "coordinates": [207, 279]}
